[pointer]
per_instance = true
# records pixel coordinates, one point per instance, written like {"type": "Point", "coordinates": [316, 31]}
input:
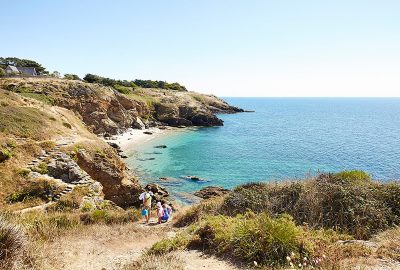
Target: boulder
{"type": "Point", "coordinates": [159, 192]}
{"type": "Point", "coordinates": [210, 192]}
{"type": "Point", "coordinates": [118, 185]}
{"type": "Point", "coordinates": [160, 146]}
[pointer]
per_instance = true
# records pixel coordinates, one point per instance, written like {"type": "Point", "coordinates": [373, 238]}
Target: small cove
{"type": "Point", "coordinates": [285, 138]}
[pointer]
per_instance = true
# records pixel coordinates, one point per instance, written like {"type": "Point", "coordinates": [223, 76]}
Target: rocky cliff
{"type": "Point", "coordinates": [105, 110]}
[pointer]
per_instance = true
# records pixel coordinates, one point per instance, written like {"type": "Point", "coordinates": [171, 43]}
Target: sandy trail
{"type": "Point", "coordinates": [110, 248]}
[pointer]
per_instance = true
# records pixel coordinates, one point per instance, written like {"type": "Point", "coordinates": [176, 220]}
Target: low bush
{"type": "Point", "coordinates": [12, 244]}
{"type": "Point", "coordinates": [180, 241]}
{"type": "Point", "coordinates": [349, 202]}
{"type": "Point", "coordinates": [39, 189]}
{"type": "Point", "coordinates": [199, 211]}
{"type": "Point", "coordinates": [253, 237]}
{"type": "Point", "coordinates": [123, 89]}
{"type": "Point", "coordinates": [41, 168]}
{"type": "Point", "coordinates": [5, 154]}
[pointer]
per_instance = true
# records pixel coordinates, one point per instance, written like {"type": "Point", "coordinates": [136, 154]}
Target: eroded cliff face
{"type": "Point", "coordinates": [119, 185]}
{"type": "Point", "coordinates": [105, 110]}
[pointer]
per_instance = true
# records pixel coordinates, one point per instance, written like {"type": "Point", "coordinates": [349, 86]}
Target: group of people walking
{"type": "Point", "coordinates": [164, 211]}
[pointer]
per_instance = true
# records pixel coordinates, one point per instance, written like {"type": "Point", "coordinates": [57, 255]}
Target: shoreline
{"type": "Point", "coordinates": [130, 139]}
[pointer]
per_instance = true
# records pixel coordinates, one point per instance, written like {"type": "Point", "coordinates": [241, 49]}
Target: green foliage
{"type": "Point", "coordinates": [5, 154]}
{"type": "Point", "coordinates": [91, 78]}
{"type": "Point", "coordinates": [180, 241]}
{"type": "Point", "coordinates": [71, 77]}
{"type": "Point", "coordinates": [24, 172]}
{"type": "Point", "coordinates": [4, 62]}
{"type": "Point", "coordinates": [41, 168]}
{"type": "Point", "coordinates": [198, 212]}
{"type": "Point", "coordinates": [41, 97]}
{"type": "Point", "coordinates": [40, 189]}
{"type": "Point", "coordinates": [123, 89]}
{"type": "Point", "coordinates": [348, 202]}
{"type": "Point", "coordinates": [354, 177]}
{"type": "Point", "coordinates": [2, 72]}
{"type": "Point", "coordinates": [251, 237]}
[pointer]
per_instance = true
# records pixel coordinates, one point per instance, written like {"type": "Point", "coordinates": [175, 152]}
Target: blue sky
{"type": "Point", "coordinates": [229, 48]}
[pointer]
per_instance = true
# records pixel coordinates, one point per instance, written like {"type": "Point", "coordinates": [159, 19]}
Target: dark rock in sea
{"type": "Point", "coordinates": [210, 192]}
{"type": "Point", "coordinates": [249, 111]}
{"type": "Point", "coordinates": [195, 178]}
{"type": "Point", "coordinates": [107, 135]}
{"type": "Point", "coordinates": [148, 132]}
{"type": "Point", "coordinates": [146, 159]}
{"type": "Point", "coordinates": [160, 146]}
{"type": "Point", "coordinates": [153, 153]}
{"type": "Point", "coordinates": [114, 145]}
{"type": "Point", "coordinates": [123, 156]}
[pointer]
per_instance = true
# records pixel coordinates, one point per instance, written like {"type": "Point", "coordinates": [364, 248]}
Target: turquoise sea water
{"type": "Point", "coordinates": [284, 138]}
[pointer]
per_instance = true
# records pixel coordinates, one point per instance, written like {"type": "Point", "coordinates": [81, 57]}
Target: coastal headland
{"type": "Point", "coordinates": [66, 190]}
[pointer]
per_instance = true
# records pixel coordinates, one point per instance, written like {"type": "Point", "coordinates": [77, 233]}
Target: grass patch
{"type": "Point", "coordinates": [41, 168]}
{"type": "Point", "coordinates": [5, 154]}
{"type": "Point", "coordinates": [40, 189]}
{"type": "Point", "coordinates": [156, 262]}
{"type": "Point", "coordinates": [70, 201]}
{"type": "Point", "coordinates": [23, 122]}
{"type": "Point", "coordinates": [109, 217]}
{"type": "Point", "coordinates": [40, 97]}
{"type": "Point", "coordinates": [123, 89]}
{"type": "Point", "coordinates": [164, 246]}
{"type": "Point", "coordinates": [12, 244]}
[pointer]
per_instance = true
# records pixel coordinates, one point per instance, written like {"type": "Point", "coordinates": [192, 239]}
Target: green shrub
{"type": "Point", "coordinates": [41, 168]}
{"type": "Point", "coordinates": [40, 189]}
{"type": "Point", "coordinates": [24, 172]}
{"type": "Point", "coordinates": [5, 154]}
{"type": "Point", "coordinates": [252, 237]}
{"type": "Point", "coordinates": [123, 89]}
{"type": "Point", "coordinates": [349, 202]}
{"type": "Point", "coordinates": [354, 177]}
{"type": "Point", "coordinates": [199, 211]}
{"type": "Point", "coordinates": [180, 241]}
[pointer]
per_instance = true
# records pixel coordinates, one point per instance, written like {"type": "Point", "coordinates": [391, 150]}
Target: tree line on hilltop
{"type": "Point", "coordinates": [120, 85]}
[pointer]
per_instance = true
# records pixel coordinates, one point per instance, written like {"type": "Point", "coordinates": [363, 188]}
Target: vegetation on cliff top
{"type": "Point", "coordinates": [277, 224]}
{"type": "Point", "coordinates": [91, 78]}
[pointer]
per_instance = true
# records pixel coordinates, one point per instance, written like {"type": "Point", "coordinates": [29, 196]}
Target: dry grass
{"type": "Point", "coordinates": [168, 261]}
{"type": "Point", "coordinates": [12, 244]}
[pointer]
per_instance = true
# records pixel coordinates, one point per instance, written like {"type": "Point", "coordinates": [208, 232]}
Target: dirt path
{"type": "Point", "coordinates": [109, 248]}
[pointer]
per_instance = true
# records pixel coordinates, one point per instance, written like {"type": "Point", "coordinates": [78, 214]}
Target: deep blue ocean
{"type": "Point", "coordinates": [285, 138]}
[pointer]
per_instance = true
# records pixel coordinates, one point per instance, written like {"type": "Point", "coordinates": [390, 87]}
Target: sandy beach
{"type": "Point", "coordinates": [134, 137]}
